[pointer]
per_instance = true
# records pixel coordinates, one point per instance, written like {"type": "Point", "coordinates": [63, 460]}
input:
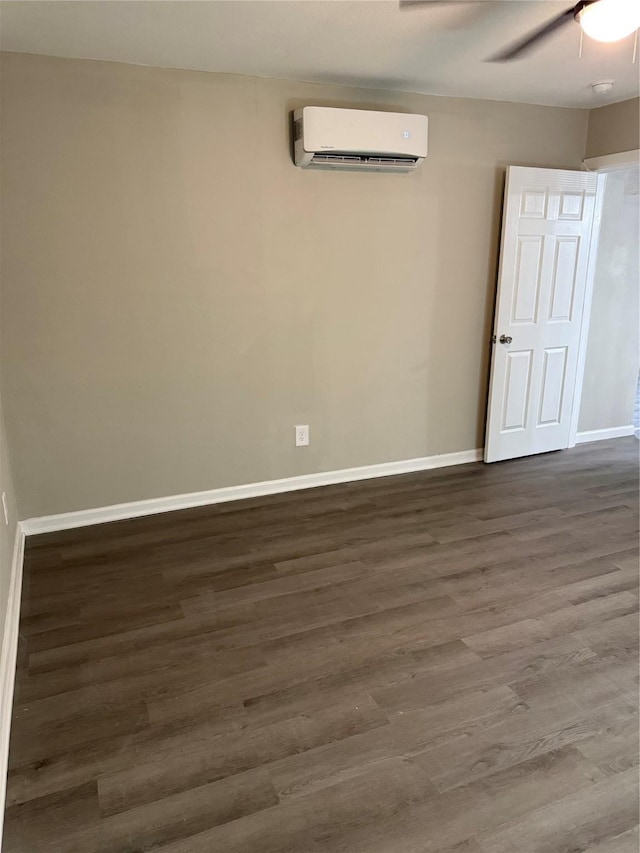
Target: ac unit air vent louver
{"type": "Point", "coordinates": [367, 140]}
{"type": "Point", "coordinates": [363, 161]}
{"type": "Point", "coordinates": [336, 158]}
{"type": "Point", "coordinates": [393, 161]}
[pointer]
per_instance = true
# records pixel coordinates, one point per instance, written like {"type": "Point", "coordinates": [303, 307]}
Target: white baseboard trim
{"type": "Point", "coordinates": [8, 662]}
{"type": "Point", "coordinates": [604, 434]}
{"type": "Point", "coordinates": [136, 509]}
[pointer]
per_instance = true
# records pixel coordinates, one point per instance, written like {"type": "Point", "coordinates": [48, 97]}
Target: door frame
{"type": "Point", "coordinates": [586, 308]}
{"type": "Point", "coordinates": [612, 162]}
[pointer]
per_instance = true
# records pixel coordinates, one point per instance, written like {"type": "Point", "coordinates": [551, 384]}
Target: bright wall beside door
{"type": "Point", "coordinates": [613, 360]}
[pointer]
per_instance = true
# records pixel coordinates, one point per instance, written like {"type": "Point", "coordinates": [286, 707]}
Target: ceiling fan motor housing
{"type": "Point", "coordinates": [580, 6]}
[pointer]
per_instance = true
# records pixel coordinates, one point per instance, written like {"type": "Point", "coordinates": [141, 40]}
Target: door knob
{"type": "Point", "coordinates": [506, 339]}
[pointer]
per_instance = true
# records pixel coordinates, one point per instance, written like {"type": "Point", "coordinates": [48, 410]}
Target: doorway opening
{"type": "Point", "coordinates": [566, 350]}
{"type": "Point", "coordinates": [610, 404]}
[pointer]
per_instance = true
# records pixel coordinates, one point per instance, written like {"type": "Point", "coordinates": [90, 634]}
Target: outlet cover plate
{"type": "Point", "coordinates": [302, 435]}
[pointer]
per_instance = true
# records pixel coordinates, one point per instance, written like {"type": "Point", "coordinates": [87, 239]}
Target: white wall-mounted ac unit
{"type": "Point", "coordinates": [331, 138]}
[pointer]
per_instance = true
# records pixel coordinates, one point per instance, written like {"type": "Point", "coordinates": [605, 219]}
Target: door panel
{"type": "Point", "coordinates": [516, 394]}
{"type": "Point", "coordinates": [554, 374]}
{"type": "Point", "coordinates": [546, 238]}
{"type": "Point", "coordinates": [565, 271]}
{"type": "Point", "coordinates": [527, 280]}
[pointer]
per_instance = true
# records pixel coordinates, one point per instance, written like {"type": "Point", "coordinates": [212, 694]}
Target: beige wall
{"type": "Point", "coordinates": [613, 347]}
{"type": "Point", "coordinates": [614, 128]}
{"type": "Point", "coordinates": [178, 295]}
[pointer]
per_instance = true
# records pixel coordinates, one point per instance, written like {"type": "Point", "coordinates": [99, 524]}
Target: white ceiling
{"type": "Point", "coordinates": [437, 50]}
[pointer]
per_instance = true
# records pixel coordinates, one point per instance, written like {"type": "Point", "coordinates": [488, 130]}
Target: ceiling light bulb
{"type": "Point", "coordinates": [610, 20]}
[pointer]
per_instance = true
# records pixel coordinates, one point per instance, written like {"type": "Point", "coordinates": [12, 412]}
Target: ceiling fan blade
{"type": "Point", "coordinates": [521, 47]}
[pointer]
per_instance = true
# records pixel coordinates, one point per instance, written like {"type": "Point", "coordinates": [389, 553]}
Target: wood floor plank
{"type": "Point", "coordinates": [229, 754]}
{"type": "Point", "coordinates": [479, 807]}
{"type": "Point", "coordinates": [88, 628]}
{"type": "Point", "coordinates": [587, 682]}
{"type": "Point", "coordinates": [506, 743]}
{"type": "Point", "coordinates": [626, 842]}
{"type": "Point", "coordinates": [601, 586]}
{"type": "Point", "coordinates": [302, 774]}
{"type": "Point", "coordinates": [200, 647]}
{"type": "Point", "coordinates": [31, 825]}
{"type": "Point", "coordinates": [181, 815]}
{"type": "Point", "coordinates": [616, 748]}
{"type": "Point", "coordinates": [415, 731]}
{"type": "Point", "coordinates": [378, 672]}
{"type": "Point", "coordinates": [577, 821]}
{"type": "Point", "coordinates": [440, 662]}
{"type": "Point", "coordinates": [455, 533]}
{"type": "Point", "coordinates": [316, 823]}
{"type": "Point", "coordinates": [41, 737]}
{"type": "Point", "coordinates": [561, 621]}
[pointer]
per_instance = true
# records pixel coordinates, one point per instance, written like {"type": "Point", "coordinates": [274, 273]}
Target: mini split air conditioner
{"type": "Point", "coordinates": [330, 138]}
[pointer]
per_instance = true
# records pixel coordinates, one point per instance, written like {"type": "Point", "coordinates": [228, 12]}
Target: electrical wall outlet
{"type": "Point", "coordinates": [302, 435]}
{"type": "Point", "coordinates": [4, 507]}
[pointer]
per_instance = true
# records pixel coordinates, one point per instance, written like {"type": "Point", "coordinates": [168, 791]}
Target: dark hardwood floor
{"type": "Point", "coordinates": [443, 661]}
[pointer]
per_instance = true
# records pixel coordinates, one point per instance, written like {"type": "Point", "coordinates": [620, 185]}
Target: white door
{"type": "Point", "coordinates": [544, 259]}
